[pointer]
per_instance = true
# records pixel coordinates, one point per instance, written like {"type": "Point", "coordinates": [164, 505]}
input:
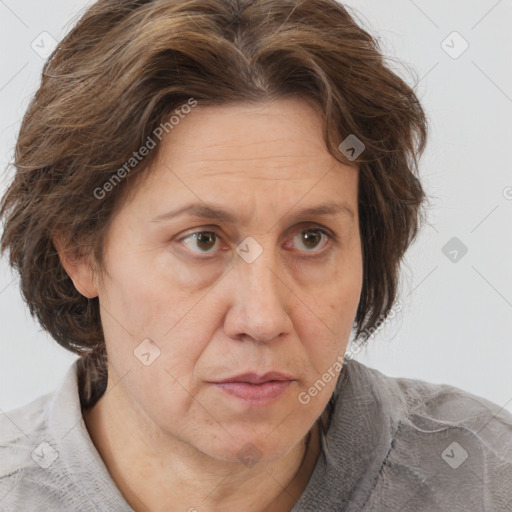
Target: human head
{"type": "Point", "coordinates": [126, 68]}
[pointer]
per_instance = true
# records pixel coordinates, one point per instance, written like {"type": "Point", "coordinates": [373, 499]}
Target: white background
{"type": "Point", "coordinates": [456, 323]}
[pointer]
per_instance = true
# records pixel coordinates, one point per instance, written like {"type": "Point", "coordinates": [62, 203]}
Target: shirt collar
{"type": "Point", "coordinates": [76, 449]}
{"type": "Point", "coordinates": [359, 438]}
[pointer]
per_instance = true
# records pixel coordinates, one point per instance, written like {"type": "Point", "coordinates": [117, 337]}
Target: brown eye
{"type": "Point", "coordinates": [204, 240]}
{"type": "Point", "coordinates": [310, 239]}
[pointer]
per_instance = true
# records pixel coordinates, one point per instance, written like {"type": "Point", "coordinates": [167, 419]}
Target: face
{"type": "Point", "coordinates": [260, 272]}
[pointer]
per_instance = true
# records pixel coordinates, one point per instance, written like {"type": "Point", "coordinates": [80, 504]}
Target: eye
{"type": "Point", "coordinates": [311, 238]}
{"type": "Point", "coordinates": [204, 240]}
{"type": "Point", "coordinates": [307, 240]}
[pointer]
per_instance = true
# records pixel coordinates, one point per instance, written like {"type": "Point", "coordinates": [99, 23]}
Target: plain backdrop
{"type": "Point", "coordinates": [456, 323]}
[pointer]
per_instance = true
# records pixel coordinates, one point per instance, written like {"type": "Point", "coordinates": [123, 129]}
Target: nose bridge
{"type": "Point", "coordinates": [260, 308]}
{"type": "Point", "coordinates": [259, 273]}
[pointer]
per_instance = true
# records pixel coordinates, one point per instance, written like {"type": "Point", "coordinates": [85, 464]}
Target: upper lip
{"type": "Point", "coordinates": [254, 378]}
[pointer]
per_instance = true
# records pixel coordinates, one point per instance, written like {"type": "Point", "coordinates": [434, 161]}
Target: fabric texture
{"type": "Point", "coordinates": [394, 444]}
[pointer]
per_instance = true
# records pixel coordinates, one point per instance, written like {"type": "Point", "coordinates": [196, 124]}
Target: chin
{"type": "Point", "coordinates": [249, 449]}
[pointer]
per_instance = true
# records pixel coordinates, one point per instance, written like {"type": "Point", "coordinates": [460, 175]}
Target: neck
{"type": "Point", "coordinates": [157, 473]}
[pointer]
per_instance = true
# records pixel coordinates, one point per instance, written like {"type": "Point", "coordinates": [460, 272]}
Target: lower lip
{"type": "Point", "coordinates": [257, 394]}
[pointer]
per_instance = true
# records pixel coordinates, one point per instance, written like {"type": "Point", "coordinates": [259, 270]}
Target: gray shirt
{"type": "Point", "coordinates": [394, 444]}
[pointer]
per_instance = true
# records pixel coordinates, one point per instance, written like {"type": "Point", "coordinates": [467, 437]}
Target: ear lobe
{"type": "Point", "coordinates": [77, 267]}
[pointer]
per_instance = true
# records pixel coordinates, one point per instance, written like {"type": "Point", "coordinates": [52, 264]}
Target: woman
{"type": "Point", "coordinates": [210, 197]}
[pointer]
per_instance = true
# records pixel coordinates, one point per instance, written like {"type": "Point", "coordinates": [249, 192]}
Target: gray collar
{"type": "Point", "coordinates": [358, 441]}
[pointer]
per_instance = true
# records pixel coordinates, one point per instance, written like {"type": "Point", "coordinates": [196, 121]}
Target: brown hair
{"type": "Point", "coordinates": [125, 68]}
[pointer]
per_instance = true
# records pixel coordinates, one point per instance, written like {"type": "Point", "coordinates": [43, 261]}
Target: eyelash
{"type": "Point", "coordinates": [310, 254]}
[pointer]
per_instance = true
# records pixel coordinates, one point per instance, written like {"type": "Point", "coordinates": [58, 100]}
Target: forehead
{"type": "Point", "coordinates": [251, 157]}
{"type": "Point", "coordinates": [258, 140]}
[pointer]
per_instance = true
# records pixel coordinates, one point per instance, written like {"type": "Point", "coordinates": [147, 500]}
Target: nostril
{"type": "Point", "coordinates": [263, 339]}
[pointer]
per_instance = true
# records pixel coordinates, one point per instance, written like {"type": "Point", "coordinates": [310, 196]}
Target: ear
{"type": "Point", "coordinates": [77, 267]}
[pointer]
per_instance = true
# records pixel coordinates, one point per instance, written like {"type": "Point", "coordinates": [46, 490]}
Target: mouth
{"type": "Point", "coordinates": [254, 378]}
{"type": "Point", "coordinates": [257, 390]}
{"type": "Point", "coordinates": [257, 394]}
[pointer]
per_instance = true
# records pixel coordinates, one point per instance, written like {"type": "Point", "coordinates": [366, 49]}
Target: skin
{"type": "Point", "coordinates": [169, 438]}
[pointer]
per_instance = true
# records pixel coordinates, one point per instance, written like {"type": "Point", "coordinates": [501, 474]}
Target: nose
{"type": "Point", "coordinates": [260, 300]}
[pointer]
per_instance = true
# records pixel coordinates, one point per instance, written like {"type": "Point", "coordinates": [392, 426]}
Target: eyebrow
{"type": "Point", "coordinates": [204, 211]}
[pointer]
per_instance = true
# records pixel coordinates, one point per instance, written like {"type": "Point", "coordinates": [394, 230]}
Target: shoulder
{"type": "Point", "coordinates": [430, 404]}
{"type": "Point", "coordinates": [33, 472]}
{"type": "Point", "coordinates": [444, 404]}
{"type": "Point", "coordinates": [450, 448]}
{"type": "Point", "coordinates": [25, 450]}
{"type": "Point", "coordinates": [18, 429]}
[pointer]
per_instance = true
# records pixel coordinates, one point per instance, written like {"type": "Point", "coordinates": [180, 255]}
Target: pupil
{"type": "Point", "coordinates": [310, 238]}
{"type": "Point", "coordinates": [206, 238]}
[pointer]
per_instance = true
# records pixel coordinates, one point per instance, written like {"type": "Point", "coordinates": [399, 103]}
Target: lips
{"type": "Point", "coordinates": [254, 378]}
{"type": "Point", "coordinates": [254, 389]}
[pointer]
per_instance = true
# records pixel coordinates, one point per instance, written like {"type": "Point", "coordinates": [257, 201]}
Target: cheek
{"type": "Point", "coordinates": [138, 310]}
{"type": "Point", "coordinates": [336, 296]}
{"type": "Point", "coordinates": [344, 294]}
{"type": "Point", "coordinates": [145, 293]}
{"type": "Point", "coordinates": [327, 327]}
{"type": "Point", "coordinates": [163, 394]}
